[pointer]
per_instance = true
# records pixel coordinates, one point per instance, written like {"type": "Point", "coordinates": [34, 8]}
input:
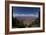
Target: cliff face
{"type": "Point", "coordinates": [25, 21]}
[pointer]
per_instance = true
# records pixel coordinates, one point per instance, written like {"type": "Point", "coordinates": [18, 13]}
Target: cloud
{"type": "Point", "coordinates": [33, 15]}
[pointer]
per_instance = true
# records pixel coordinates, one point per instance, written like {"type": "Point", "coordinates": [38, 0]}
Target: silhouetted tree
{"type": "Point", "coordinates": [13, 22]}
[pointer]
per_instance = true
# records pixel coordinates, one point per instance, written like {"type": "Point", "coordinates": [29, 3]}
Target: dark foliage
{"type": "Point", "coordinates": [17, 24]}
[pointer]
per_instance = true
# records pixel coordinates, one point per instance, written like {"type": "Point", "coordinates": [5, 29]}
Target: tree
{"type": "Point", "coordinates": [13, 22]}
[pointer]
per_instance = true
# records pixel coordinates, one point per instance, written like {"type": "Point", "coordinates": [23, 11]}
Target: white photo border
{"type": "Point", "coordinates": [25, 29]}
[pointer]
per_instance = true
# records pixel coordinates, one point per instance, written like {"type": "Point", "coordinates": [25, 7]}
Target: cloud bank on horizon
{"type": "Point", "coordinates": [25, 11]}
{"type": "Point", "coordinates": [25, 15]}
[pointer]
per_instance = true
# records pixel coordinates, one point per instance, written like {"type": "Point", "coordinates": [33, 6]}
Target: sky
{"type": "Point", "coordinates": [25, 11]}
